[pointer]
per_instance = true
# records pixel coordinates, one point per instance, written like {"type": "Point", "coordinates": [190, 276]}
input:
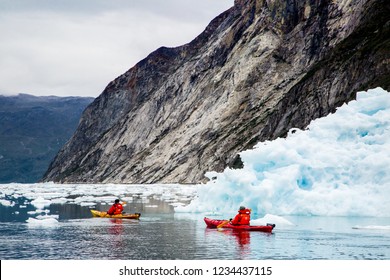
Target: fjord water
{"type": "Point", "coordinates": [326, 188]}
{"type": "Point", "coordinates": [162, 234]}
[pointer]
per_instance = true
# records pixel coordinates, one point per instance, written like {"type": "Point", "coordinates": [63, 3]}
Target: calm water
{"type": "Point", "coordinates": [162, 234]}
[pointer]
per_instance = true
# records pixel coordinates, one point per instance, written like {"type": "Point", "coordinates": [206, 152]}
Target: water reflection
{"type": "Point", "coordinates": [243, 238]}
{"type": "Point", "coordinates": [228, 242]}
{"type": "Point", "coordinates": [239, 244]}
{"type": "Point", "coordinates": [116, 227]}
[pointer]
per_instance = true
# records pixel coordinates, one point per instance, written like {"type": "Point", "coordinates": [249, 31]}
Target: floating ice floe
{"type": "Point", "coordinates": [272, 219]}
{"type": "Point", "coordinates": [372, 227]}
{"type": "Point", "coordinates": [47, 220]}
{"type": "Point", "coordinates": [6, 203]}
{"type": "Point", "coordinates": [40, 203]}
{"type": "Point", "coordinates": [42, 195]}
{"type": "Point", "coordinates": [38, 211]}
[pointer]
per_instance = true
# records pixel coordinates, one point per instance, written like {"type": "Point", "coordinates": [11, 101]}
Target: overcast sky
{"type": "Point", "coordinates": [76, 47]}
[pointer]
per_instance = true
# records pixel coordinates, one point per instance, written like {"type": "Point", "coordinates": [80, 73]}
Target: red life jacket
{"type": "Point", "coordinates": [242, 218]}
{"type": "Point", "coordinates": [115, 209]}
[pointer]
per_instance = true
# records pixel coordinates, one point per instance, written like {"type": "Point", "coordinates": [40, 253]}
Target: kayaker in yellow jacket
{"type": "Point", "coordinates": [243, 217]}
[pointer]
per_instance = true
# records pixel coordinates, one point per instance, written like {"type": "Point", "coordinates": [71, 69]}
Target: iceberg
{"type": "Point", "coordinates": [337, 166]}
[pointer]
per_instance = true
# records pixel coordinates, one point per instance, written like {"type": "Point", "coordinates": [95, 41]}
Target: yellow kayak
{"type": "Point", "coordinates": [101, 214]}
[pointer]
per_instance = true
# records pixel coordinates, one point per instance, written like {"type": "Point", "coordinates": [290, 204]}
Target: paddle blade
{"type": "Point", "coordinates": [222, 224]}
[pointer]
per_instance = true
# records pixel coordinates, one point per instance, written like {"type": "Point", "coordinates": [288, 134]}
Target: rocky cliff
{"type": "Point", "coordinates": [258, 69]}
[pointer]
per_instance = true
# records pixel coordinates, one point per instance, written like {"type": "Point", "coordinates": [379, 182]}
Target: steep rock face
{"type": "Point", "coordinates": [258, 69]}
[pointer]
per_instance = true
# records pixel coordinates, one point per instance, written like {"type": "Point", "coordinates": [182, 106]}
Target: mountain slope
{"type": "Point", "coordinates": [257, 70]}
{"type": "Point", "coordinates": [32, 130]}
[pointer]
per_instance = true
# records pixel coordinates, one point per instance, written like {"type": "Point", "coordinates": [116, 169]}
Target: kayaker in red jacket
{"type": "Point", "coordinates": [243, 217]}
{"type": "Point", "coordinates": [116, 208]}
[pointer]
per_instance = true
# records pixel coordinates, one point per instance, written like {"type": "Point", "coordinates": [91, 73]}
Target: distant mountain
{"type": "Point", "coordinates": [258, 70]}
{"type": "Point", "coordinates": [32, 130]}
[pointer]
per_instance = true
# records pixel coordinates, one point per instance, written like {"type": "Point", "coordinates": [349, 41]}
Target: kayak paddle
{"type": "Point", "coordinates": [222, 224]}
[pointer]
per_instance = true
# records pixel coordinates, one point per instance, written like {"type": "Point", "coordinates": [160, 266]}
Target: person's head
{"type": "Point", "coordinates": [116, 200]}
{"type": "Point", "coordinates": [242, 208]}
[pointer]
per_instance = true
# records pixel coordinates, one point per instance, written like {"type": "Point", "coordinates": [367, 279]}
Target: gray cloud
{"type": "Point", "coordinates": [188, 9]}
{"type": "Point", "coordinates": [75, 47]}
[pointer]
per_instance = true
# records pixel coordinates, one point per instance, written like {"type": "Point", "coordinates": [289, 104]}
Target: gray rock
{"type": "Point", "coordinates": [259, 69]}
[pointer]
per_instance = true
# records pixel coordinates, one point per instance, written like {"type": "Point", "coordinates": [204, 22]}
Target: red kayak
{"type": "Point", "coordinates": [214, 223]}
